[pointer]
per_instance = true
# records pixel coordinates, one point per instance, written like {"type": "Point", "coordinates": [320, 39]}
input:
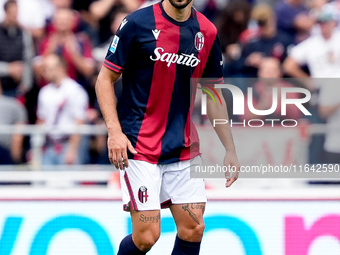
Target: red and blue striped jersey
{"type": "Point", "coordinates": [157, 57]}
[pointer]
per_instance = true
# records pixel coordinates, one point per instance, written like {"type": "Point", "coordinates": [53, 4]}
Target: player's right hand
{"type": "Point", "coordinates": [117, 145]}
{"type": "Point", "coordinates": [231, 161]}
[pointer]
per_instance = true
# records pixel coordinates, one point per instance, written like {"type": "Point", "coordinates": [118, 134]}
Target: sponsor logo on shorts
{"type": "Point", "coordinates": [143, 194]}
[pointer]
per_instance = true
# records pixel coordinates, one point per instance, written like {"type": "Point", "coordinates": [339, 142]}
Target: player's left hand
{"type": "Point", "coordinates": [231, 161]}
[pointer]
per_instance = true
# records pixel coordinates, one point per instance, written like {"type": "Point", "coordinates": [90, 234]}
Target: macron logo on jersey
{"type": "Point", "coordinates": [123, 24]}
{"type": "Point", "coordinates": [156, 33]}
{"type": "Point", "coordinates": [182, 59]}
{"type": "Point", "coordinates": [114, 44]}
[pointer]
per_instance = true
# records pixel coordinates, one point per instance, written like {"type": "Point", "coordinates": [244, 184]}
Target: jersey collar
{"type": "Point", "coordinates": [175, 22]}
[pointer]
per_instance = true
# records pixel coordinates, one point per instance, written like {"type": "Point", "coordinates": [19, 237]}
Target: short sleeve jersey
{"type": "Point", "coordinates": [157, 57]}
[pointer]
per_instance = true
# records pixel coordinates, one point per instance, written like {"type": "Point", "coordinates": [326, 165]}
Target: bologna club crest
{"type": "Point", "coordinates": [143, 194]}
{"type": "Point", "coordinates": [199, 41]}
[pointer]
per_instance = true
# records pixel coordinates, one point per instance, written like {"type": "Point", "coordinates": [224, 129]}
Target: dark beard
{"type": "Point", "coordinates": [180, 6]}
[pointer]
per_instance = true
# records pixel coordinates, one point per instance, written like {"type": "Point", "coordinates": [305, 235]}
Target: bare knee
{"type": "Point", "coordinates": [145, 229]}
{"type": "Point", "coordinates": [191, 233]}
{"type": "Point", "coordinates": [146, 239]}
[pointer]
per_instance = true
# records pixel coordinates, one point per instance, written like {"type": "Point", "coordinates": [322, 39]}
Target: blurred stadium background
{"type": "Point", "coordinates": [58, 192]}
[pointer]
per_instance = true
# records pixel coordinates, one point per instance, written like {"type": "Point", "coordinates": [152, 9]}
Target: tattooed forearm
{"type": "Point", "coordinates": [153, 219]}
{"type": "Point", "coordinates": [191, 213]}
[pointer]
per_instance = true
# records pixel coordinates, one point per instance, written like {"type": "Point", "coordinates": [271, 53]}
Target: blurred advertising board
{"type": "Point", "coordinates": [237, 227]}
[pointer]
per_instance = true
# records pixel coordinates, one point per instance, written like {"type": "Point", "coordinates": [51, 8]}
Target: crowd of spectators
{"type": "Point", "coordinates": [288, 43]}
{"type": "Point", "coordinates": [52, 50]}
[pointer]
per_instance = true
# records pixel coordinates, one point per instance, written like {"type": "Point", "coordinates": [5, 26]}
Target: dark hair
{"type": "Point", "coordinates": [9, 3]}
{"type": "Point", "coordinates": [117, 10]}
{"type": "Point", "coordinates": [229, 30]}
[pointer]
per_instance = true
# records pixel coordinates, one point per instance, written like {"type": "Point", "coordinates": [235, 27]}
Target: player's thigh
{"type": "Point", "coordinates": [186, 198]}
{"type": "Point", "coordinates": [188, 215]}
{"type": "Point", "coordinates": [145, 226]}
{"type": "Point", "coordinates": [140, 185]}
{"type": "Point", "coordinates": [178, 187]}
{"type": "Point", "coordinates": [189, 220]}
